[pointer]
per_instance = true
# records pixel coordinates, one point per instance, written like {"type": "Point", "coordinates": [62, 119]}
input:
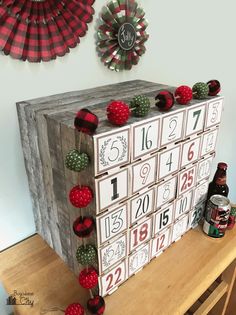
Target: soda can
{"type": "Point", "coordinates": [232, 217]}
{"type": "Point", "coordinates": [216, 216]}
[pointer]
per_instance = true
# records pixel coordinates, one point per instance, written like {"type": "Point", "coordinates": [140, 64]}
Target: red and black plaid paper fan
{"type": "Point", "coordinates": [122, 34]}
{"type": "Point", "coordinates": [41, 30]}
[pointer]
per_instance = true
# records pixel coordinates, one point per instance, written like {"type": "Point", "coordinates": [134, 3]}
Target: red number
{"type": "Point", "coordinates": [160, 241]}
{"type": "Point", "coordinates": [191, 152]}
{"type": "Point", "coordinates": [110, 285]}
{"type": "Point", "coordinates": [142, 234]}
{"type": "Point", "coordinates": [110, 279]}
{"type": "Point", "coordinates": [188, 179]}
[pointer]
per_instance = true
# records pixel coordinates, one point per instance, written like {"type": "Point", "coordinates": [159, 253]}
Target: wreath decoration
{"type": "Point", "coordinates": [41, 30]}
{"type": "Point", "coordinates": [122, 34]}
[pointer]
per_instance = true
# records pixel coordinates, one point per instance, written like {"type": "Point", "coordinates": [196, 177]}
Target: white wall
{"type": "Point", "coordinates": [189, 41]}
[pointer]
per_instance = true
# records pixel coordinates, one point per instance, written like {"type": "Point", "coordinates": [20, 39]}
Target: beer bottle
{"type": "Point", "coordinates": [218, 186]}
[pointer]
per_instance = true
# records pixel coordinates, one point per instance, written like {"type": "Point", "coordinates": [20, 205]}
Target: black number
{"type": "Point", "coordinates": [164, 218]}
{"type": "Point", "coordinates": [183, 205]}
{"type": "Point", "coordinates": [143, 205]}
{"type": "Point", "coordinates": [146, 144]}
{"type": "Point", "coordinates": [115, 194]}
{"type": "Point", "coordinates": [197, 113]}
{"type": "Point", "coordinates": [169, 161]}
{"type": "Point", "coordinates": [172, 126]}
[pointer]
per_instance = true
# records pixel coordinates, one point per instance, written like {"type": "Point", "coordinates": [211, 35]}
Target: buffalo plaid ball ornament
{"type": "Point", "coordinates": [85, 121]}
{"type": "Point", "coordinates": [41, 30]}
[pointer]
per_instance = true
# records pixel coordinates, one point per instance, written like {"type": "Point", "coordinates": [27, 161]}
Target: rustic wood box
{"type": "Point", "coordinates": [160, 163]}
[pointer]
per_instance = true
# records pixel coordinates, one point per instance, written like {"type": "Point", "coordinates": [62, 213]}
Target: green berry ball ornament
{"type": "Point", "coordinates": [76, 161]}
{"type": "Point", "coordinates": [200, 90]}
{"type": "Point", "coordinates": [140, 105]}
{"type": "Point", "coordinates": [86, 255]}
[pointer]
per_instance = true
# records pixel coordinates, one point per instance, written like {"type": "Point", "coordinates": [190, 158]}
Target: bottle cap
{"type": "Point", "coordinates": [222, 166]}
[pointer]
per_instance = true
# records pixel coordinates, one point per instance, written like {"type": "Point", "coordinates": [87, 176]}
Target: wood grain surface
{"type": "Point", "coordinates": [169, 285]}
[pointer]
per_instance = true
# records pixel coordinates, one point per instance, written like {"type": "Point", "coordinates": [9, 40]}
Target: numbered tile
{"type": "Point", "coordinates": [140, 234]}
{"type": "Point", "coordinates": [172, 128]}
{"type": "Point", "coordinates": [145, 137]}
{"type": "Point", "coordinates": [179, 228]}
{"type": "Point", "coordinates": [144, 174]}
{"type": "Point", "coordinates": [209, 142]}
{"type": "Point", "coordinates": [160, 242]}
{"type": "Point", "coordinates": [186, 180]}
{"type": "Point", "coordinates": [142, 205]}
{"type": "Point", "coordinates": [195, 120]}
{"type": "Point", "coordinates": [163, 218]}
{"type": "Point", "coordinates": [183, 204]}
{"type": "Point", "coordinates": [204, 168]}
{"type": "Point", "coordinates": [214, 112]}
{"type": "Point", "coordinates": [138, 259]}
{"type": "Point", "coordinates": [166, 192]}
{"type": "Point", "coordinates": [169, 162]}
{"type": "Point", "coordinates": [196, 215]}
{"type": "Point", "coordinates": [111, 189]}
{"type": "Point", "coordinates": [190, 151]}
{"type": "Point", "coordinates": [200, 193]}
{"type": "Point", "coordinates": [110, 281]}
{"type": "Point", "coordinates": [111, 150]}
{"type": "Point", "coordinates": [112, 253]}
{"type": "Point", "coordinates": [112, 223]}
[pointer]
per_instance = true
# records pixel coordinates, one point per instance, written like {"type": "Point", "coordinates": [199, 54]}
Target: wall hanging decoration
{"type": "Point", "coordinates": [122, 34]}
{"type": "Point", "coordinates": [41, 30]}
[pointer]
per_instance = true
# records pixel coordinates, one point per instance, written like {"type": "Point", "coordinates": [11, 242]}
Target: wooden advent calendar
{"type": "Point", "coordinates": [149, 177]}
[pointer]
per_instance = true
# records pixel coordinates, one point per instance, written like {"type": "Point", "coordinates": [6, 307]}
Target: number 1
{"type": "Point", "coordinates": [115, 194]}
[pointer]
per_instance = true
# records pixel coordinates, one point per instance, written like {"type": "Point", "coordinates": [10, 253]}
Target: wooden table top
{"type": "Point", "coordinates": [169, 285]}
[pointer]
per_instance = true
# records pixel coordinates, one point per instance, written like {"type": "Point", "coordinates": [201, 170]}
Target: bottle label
{"type": "Point", "coordinates": [221, 180]}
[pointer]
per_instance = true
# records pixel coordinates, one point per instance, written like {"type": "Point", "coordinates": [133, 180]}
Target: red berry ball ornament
{"type": "Point", "coordinates": [214, 87]}
{"type": "Point", "coordinates": [96, 305]}
{"type": "Point", "coordinates": [118, 113]}
{"type": "Point", "coordinates": [83, 226]}
{"type": "Point", "coordinates": [74, 309]}
{"type": "Point", "coordinates": [85, 121]}
{"type": "Point", "coordinates": [183, 94]}
{"type": "Point", "coordinates": [165, 100]}
{"type": "Point", "coordinates": [88, 278]}
{"type": "Point", "coordinates": [80, 196]}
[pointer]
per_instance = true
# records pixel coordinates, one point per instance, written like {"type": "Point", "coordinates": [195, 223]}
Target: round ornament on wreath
{"type": "Point", "coordinates": [41, 30]}
{"type": "Point", "coordinates": [122, 34]}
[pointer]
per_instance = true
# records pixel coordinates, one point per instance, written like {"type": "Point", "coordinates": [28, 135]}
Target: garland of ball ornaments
{"type": "Point", "coordinates": [81, 196]}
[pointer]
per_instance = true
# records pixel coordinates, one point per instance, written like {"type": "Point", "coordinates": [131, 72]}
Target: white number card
{"type": "Point", "coordinates": [112, 253]}
{"type": "Point", "coordinates": [160, 242]}
{"type": "Point", "coordinates": [163, 218]}
{"type": "Point", "coordinates": [200, 193]}
{"type": "Point", "coordinates": [145, 137]}
{"type": "Point", "coordinates": [196, 215]}
{"type": "Point", "coordinates": [111, 150]}
{"type": "Point", "coordinates": [209, 142]}
{"type": "Point", "coordinates": [187, 180]}
{"type": "Point", "coordinates": [183, 204]}
{"type": "Point", "coordinates": [144, 174]}
{"type": "Point", "coordinates": [179, 228]}
{"type": "Point", "coordinates": [111, 189]}
{"type": "Point", "coordinates": [140, 234]}
{"type": "Point", "coordinates": [190, 151]}
{"type": "Point", "coordinates": [112, 223]}
{"type": "Point", "coordinates": [214, 112]}
{"type": "Point", "coordinates": [195, 120]}
{"type": "Point", "coordinates": [110, 281]}
{"type": "Point", "coordinates": [141, 206]}
{"type": "Point", "coordinates": [166, 192]}
{"type": "Point", "coordinates": [204, 169]}
{"type": "Point", "coordinates": [138, 259]}
{"type": "Point", "coordinates": [172, 128]}
{"type": "Point", "coordinates": [169, 162]}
